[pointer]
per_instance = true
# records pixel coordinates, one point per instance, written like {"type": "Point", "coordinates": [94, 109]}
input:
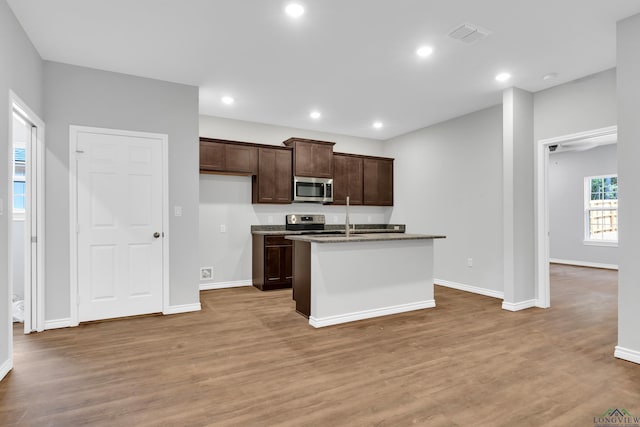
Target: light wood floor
{"type": "Point", "coordinates": [248, 360]}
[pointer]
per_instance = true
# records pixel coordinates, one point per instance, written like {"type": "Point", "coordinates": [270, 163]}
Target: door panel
{"type": "Point", "coordinates": [141, 267]}
{"type": "Point", "coordinates": [103, 271]}
{"type": "Point", "coordinates": [119, 210]}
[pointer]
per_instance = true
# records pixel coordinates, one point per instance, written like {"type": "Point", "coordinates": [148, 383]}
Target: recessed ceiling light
{"type": "Point", "coordinates": [294, 10]}
{"type": "Point", "coordinates": [227, 100]}
{"type": "Point", "coordinates": [503, 77]}
{"type": "Point", "coordinates": [315, 114]}
{"type": "Point", "coordinates": [377, 125]}
{"type": "Point", "coordinates": [424, 51]}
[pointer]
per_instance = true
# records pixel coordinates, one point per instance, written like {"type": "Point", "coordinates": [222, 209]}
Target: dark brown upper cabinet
{"type": "Point", "coordinates": [347, 179]}
{"type": "Point", "coordinates": [222, 156]}
{"type": "Point", "coordinates": [272, 184]}
{"type": "Point", "coordinates": [378, 181]}
{"type": "Point", "coordinates": [311, 158]}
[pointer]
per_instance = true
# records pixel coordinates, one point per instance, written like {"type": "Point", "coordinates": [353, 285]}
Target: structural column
{"type": "Point", "coordinates": [628, 90]}
{"type": "Point", "coordinates": [518, 206]}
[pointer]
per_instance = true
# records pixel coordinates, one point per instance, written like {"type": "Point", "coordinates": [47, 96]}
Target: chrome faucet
{"type": "Point", "coordinates": [347, 230]}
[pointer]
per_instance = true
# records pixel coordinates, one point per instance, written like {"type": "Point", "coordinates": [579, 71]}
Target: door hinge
{"type": "Point", "coordinates": [34, 239]}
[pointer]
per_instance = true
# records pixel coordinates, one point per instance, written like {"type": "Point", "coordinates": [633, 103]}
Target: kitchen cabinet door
{"type": "Point", "coordinates": [272, 184]}
{"type": "Point", "coordinates": [378, 181]}
{"type": "Point", "coordinates": [347, 179]}
{"type": "Point", "coordinates": [212, 156]}
{"type": "Point", "coordinates": [272, 262]}
{"type": "Point", "coordinates": [311, 158]}
{"type": "Point", "coordinates": [241, 159]}
{"type": "Point", "coordinates": [228, 157]}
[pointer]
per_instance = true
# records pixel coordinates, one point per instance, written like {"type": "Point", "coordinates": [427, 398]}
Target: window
{"type": "Point", "coordinates": [601, 210]}
{"type": "Point", "coordinates": [19, 184]}
{"type": "Point", "coordinates": [21, 134]}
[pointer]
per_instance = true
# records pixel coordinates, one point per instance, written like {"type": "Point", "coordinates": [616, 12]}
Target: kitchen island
{"type": "Point", "coordinates": [339, 278]}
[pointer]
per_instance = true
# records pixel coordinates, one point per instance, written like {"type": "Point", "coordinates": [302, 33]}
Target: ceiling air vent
{"type": "Point", "coordinates": [468, 33]}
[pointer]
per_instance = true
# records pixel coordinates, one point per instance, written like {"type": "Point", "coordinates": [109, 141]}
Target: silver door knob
{"type": "Point", "coordinates": [156, 234]}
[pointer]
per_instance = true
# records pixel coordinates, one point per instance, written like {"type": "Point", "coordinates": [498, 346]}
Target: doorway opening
{"type": "Point", "coordinates": [580, 140]}
{"type": "Point", "coordinates": [26, 228]}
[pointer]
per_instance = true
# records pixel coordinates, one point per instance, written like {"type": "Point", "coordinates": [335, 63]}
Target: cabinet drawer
{"type": "Point", "coordinates": [279, 240]}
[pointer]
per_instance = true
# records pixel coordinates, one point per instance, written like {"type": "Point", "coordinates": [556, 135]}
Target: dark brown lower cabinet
{"type": "Point", "coordinates": [272, 263]}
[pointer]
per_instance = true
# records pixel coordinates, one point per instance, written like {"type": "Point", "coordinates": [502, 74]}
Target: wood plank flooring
{"type": "Point", "coordinates": [247, 359]}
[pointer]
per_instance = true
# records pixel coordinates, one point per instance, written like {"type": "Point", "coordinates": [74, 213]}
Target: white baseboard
{"type": "Point", "coordinates": [184, 308]}
{"type": "Point", "coordinates": [541, 304]}
{"type": "Point", "coordinates": [469, 288]}
{"type": "Point", "coordinates": [6, 367]}
{"type": "Point", "coordinates": [225, 285]}
{"type": "Point", "coordinates": [583, 263]}
{"type": "Point", "coordinates": [517, 306]}
{"type": "Point", "coordinates": [319, 322]}
{"type": "Point", "coordinates": [58, 323]}
{"type": "Point", "coordinates": [627, 354]}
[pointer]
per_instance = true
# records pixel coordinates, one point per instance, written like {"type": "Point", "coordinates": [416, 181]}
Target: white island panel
{"type": "Point", "coordinates": [360, 280]}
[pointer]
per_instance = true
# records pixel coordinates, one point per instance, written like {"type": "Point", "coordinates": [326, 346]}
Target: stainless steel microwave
{"type": "Point", "coordinates": [307, 189]}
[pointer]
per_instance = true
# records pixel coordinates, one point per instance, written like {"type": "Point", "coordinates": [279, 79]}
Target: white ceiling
{"type": "Point", "coordinates": [354, 60]}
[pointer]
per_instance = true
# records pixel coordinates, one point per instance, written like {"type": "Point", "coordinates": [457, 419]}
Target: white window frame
{"type": "Point", "coordinates": [587, 209]}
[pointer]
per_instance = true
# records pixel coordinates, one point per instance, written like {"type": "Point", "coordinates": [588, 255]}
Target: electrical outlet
{"type": "Point", "coordinates": [223, 228]}
{"type": "Point", "coordinates": [206, 273]}
{"type": "Point", "coordinates": [396, 227]}
{"type": "Point", "coordinates": [469, 262]}
{"type": "Point", "coordinates": [270, 219]}
{"type": "Point", "coordinates": [335, 219]}
{"type": "Point", "coordinates": [369, 219]}
{"type": "Point", "coordinates": [177, 210]}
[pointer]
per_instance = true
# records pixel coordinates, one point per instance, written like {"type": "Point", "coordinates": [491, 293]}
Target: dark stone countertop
{"type": "Point", "coordinates": [329, 229]}
{"type": "Point", "coordinates": [364, 237]}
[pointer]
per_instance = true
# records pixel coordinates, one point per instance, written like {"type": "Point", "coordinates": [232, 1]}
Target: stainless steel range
{"type": "Point", "coordinates": [304, 222]}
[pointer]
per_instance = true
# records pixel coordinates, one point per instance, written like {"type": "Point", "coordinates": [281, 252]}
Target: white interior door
{"type": "Point", "coordinates": [120, 224]}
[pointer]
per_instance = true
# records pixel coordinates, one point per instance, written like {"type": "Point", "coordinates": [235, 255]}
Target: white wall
{"type": "Point", "coordinates": [628, 54]}
{"type": "Point", "coordinates": [238, 130]}
{"type": "Point", "coordinates": [21, 71]}
{"type": "Point", "coordinates": [567, 171]}
{"type": "Point", "coordinates": [581, 105]}
{"type": "Point", "coordinates": [88, 97]}
{"type": "Point", "coordinates": [448, 180]}
{"type": "Point", "coordinates": [226, 200]}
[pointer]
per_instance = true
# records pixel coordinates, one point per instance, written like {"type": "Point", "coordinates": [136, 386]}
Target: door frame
{"type": "Point", "coordinates": [74, 130]}
{"type": "Point", "coordinates": [34, 287]}
{"type": "Point", "coordinates": [543, 286]}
